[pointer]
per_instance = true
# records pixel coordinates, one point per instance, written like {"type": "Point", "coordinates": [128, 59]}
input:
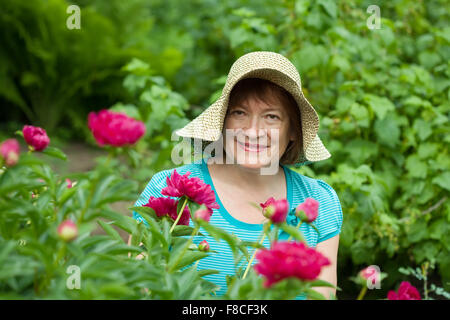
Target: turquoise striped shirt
{"type": "Point", "coordinates": [299, 187]}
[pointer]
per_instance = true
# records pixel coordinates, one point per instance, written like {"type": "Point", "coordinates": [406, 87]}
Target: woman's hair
{"type": "Point", "coordinates": [269, 92]}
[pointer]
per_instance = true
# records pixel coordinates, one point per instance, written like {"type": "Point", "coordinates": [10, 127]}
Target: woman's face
{"type": "Point", "coordinates": [256, 134]}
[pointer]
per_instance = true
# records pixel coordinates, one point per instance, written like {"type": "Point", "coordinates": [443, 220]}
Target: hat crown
{"type": "Point", "coordinates": [264, 60]}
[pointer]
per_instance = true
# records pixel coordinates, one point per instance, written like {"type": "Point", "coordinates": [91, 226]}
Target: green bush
{"type": "Point", "coordinates": [382, 96]}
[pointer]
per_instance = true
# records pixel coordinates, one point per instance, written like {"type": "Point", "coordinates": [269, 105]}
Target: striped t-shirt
{"type": "Point", "coordinates": [298, 186]}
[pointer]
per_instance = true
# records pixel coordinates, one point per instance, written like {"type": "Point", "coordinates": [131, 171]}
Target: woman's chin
{"type": "Point", "coordinates": [254, 161]}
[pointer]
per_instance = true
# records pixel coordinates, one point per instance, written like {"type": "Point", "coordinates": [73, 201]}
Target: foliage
{"type": "Point", "coordinates": [382, 96]}
{"type": "Point", "coordinates": [160, 108]}
{"type": "Point", "coordinates": [37, 262]}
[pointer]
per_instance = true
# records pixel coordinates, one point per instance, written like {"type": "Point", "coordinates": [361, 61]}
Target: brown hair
{"type": "Point", "coordinates": [270, 92]}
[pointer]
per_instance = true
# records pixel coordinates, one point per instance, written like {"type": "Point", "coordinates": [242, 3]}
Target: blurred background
{"type": "Point", "coordinates": [381, 92]}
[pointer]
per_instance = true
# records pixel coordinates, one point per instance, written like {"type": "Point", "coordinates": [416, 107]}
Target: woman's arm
{"type": "Point", "coordinates": [329, 248]}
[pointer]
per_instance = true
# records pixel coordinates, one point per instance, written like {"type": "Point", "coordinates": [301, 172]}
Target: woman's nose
{"type": "Point", "coordinates": [255, 127]}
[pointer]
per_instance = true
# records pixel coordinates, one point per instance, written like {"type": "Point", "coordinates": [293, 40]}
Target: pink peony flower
{"type": "Point", "coordinates": [67, 230]}
{"type": "Point", "coordinates": [203, 246]}
{"type": "Point", "coordinates": [275, 210]}
{"type": "Point", "coordinates": [194, 188]}
{"type": "Point", "coordinates": [115, 128]}
{"type": "Point", "coordinates": [406, 291]}
{"type": "Point", "coordinates": [203, 214]}
{"type": "Point", "coordinates": [167, 206]}
{"type": "Point", "coordinates": [308, 210]}
{"type": "Point", "coordinates": [10, 150]}
{"type": "Point", "coordinates": [36, 137]}
{"type": "Point", "coordinates": [289, 259]}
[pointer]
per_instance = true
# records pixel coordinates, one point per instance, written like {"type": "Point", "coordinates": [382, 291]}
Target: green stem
{"type": "Point", "coordinates": [362, 293]}
{"type": "Point", "coordinates": [60, 254]}
{"type": "Point", "coordinates": [266, 227]}
{"type": "Point", "coordinates": [186, 247]}
{"type": "Point", "coordinates": [179, 216]}
{"type": "Point", "coordinates": [424, 274]}
{"type": "Point", "coordinates": [298, 228]}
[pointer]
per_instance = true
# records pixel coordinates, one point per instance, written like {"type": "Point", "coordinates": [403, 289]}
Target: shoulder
{"type": "Point", "coordinates": [330, 218]}
{"type": "Point", "coordinates": [313, 187]}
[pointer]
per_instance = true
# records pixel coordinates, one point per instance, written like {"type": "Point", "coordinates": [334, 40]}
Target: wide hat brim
{"type": "Point", "coordinates": [278, 69]}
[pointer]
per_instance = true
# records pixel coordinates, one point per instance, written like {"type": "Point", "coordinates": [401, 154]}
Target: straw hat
{"type": "Point", "coordinates": [278, 69]}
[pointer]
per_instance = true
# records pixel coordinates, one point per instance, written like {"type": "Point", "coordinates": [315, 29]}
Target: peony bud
{"type": "Point", "coordinates": [36, 137]}
{"type": "Point", "coordinates": [9, 150]}
{"type": "Point", "coordinates": [275, 210]}
{"type": "Point", "coordinates": [308, 210]}
{"type": "Point", "coordinates": [69, 183]}
{"type": "Point", "coordinates": [67, 230]}
{"type": "Point", "coordinates": [203, 214]}
{"type": "Point", "coordinates": [203, 246]}
{"type": "Point", "coordinates": [368, 273]}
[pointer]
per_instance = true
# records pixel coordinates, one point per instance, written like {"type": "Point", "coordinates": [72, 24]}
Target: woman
{"type": "Point", "coordinates": [263, 119]}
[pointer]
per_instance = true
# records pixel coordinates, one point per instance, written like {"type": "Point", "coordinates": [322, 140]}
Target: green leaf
{"type": "Point", "coordinates": [19, 133]}
{"type": "Point", "coordinates": [206, 272]}
{"type": "Point", "coordinates": [379, 105]}
{"type": "Point", "coordinates": [54, 152]}
{"type": "Point", "coordinates": [292, 231]}
{"type": "Point", "coordinates": [217, 233]}
{"type": "Point", "coordinates": [330, 7]}
{"type": "Point", "coordinates": [422, 128]}
{"type": "Point", "coordinates": [323, 283]}
{"type": "Point", "coordinates": [181, 230]}
{"type": "Point", "coordinates": [416, 168]}
{"type": "Point", "coordinates": [66, 195]}
{"type": "Point", "coordinates": [124, 222]}
{"type": "Point", "coordinates": [309, 57]}
{"type": "Point", "coordinates": [417, 231]}
{"type": "Point", "coordinates": [314, 295]}
{"type": "Point", "coordinates": [388, 132]}
{"type": "Point", "coordinates": [427, 150]}
{"type": "Point", "coordinates": [110, 230]}
{"type": "Point", "coordinates": [343, 103]}
{"type": "Point", "coordinates": [145, 211]}
{"type": "Point", "coordinates": [189, 257]}
{"type": "Point", "coordinates": [443, 180]}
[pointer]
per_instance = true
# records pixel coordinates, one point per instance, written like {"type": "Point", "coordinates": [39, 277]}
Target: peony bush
{"type": "Point", "coordinates": [47, 223]}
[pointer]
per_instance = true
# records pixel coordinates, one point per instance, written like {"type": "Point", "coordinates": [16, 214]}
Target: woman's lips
{"type": "Point", "coordinates": [252, 147]}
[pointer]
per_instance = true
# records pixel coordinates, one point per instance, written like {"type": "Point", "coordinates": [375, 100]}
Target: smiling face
{"type": "Point", "coordinates": [258, 125]}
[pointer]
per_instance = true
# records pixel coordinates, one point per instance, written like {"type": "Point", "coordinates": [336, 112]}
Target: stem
{"type": "Point", "coordinates": [266, 226]}
{"type": "Point", "coordinates": [186, 247]}
{"type": "Point", "coordinates": [362, 293]}
{"type": "Point", "coordinates": [61, 252]}
{"type": "Point", "coordinates": [298, 228]}
{"type": "Point", "coordinates": [424, 274]}
{"type": "Point", "coordinates": [277, 230]}
{"type": "Point", "coordinates": [179, 216]}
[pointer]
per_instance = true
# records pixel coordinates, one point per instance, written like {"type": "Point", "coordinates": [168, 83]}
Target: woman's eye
{"type": "Point", "coordinates": [273, 117]}
{"type": "Point", "coordinates": [238, 112]}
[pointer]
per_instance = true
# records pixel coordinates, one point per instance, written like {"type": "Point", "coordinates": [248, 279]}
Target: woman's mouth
{"type": "Point", "coordinates": [252, 147]}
